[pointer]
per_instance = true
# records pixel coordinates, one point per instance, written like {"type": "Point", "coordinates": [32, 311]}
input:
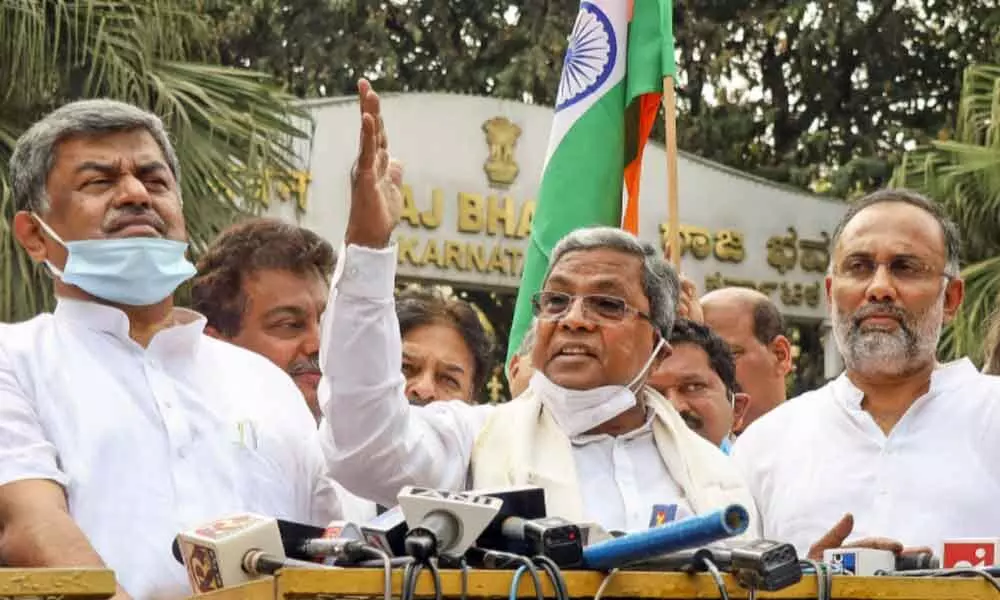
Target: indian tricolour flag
{"type": "Point", "coordinates": [609, 95]}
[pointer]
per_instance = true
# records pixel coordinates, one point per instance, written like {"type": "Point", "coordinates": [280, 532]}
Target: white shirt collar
{"type": "Point", "coordinates": [588, 438]}
{"type": "Point", "coordinates": [943, 377]}
{"type": "Point", "coordinates": [182, 337]}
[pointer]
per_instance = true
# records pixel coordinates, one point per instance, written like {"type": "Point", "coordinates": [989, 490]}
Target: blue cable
{"type": "Point", "coordinates": [516, 581]}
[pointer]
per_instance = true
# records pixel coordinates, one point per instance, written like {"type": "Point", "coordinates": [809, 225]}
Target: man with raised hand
{"type": "Point", "coordinates": [605, 447]}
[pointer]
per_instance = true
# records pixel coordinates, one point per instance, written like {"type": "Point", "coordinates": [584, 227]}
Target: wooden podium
{"type": "Point", "coordinates": [89, 584]}
{"type": "Point", "coordinates": [302, 584]}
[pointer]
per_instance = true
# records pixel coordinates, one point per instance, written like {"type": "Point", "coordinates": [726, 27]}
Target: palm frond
{"type": "Point", "coordinates": [963, 175]}
{"type": "Point", "coordinates": [234, 131]}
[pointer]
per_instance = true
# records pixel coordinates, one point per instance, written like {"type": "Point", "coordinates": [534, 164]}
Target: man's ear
{"type": "Point", "coordinates": [30, 235]}
{"type": "Point", "coordinates": [741, 403]}
{"type": "Point", "coordinates": [781, 348]}
{"type": "Point", "coordinates": [954, 292]}
{"type": "Point", "coordinates": [661, 355]}
{"type": "Point", "coordinates": [513, 366]}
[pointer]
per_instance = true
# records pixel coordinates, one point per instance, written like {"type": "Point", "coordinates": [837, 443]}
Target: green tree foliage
{"type": "Point", "coordinates": [232, 127]}
{"type": "Point", "coordinates": [818, 94]}
{"type": "Point", "coordinates": [963, 174]}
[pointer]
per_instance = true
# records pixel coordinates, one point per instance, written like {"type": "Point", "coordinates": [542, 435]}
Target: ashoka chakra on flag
{"type": "Point", "coordinates": [590, 56]}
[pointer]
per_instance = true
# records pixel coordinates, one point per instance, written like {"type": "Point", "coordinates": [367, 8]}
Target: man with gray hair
{"type": "Point", "coordinates": [605, 447]}
{"type": "Point", "coordinates": [121, 422]}
{"type": "Point", "coordinates": [899, 445]}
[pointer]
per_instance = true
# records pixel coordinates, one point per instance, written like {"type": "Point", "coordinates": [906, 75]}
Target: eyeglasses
{"type": "Point", "coordinates": [550, 306]}
{"type": "Point", "coordinates": [901, 268]}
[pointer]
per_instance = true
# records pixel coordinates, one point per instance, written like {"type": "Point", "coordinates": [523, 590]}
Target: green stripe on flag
{"type": "Point", "coordinates": [650, 47]}
{"type": "Point", "coordinates": [581, 187]}
{"type": "Point", "coordinates": [583, 178]}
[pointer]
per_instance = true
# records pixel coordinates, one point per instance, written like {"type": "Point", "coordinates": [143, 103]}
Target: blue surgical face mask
{"type": "Point", "coordinates": [138, 271]}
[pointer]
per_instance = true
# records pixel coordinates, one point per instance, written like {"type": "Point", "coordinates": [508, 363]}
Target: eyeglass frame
{"type": "Point", "coordinates": [926, 273]}
{"type": "Point", "coordinates": [587, 312]}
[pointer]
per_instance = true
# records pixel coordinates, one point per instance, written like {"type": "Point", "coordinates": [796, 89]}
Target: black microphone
{"type": "Point", "coordinates": [917, 562]}
{"type": "Point", "coordinates": [761, 564]}
{"type": "Point", "coordinates": [387, 532]}
{"type": "Point", "coordinates": [553, 537]}
{"type": "Point", "coordinates": [525, 502]}
{"type": "Point", "coordinates": [522, 528]}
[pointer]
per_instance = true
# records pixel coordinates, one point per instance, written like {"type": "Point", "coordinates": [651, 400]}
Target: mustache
{"type": "Point", "coordinates": [300, 367]}
{"type": "Point", "coordinates": [113, 221]}
{"type": "Point", "coordinates": [692, 419]}
{"type": "Point", "coordinates": [883, 309]}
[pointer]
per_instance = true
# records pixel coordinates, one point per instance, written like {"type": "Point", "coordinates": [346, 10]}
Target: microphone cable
{"type": "Point", "coordinates": [720, 583]}
{"type": "Point", "coordinates": [555, 575]}
{"type": "Point", "coordinates": [386, 569]}
{"type": "Point", "coordinates": [946, 573]}
{"type": "Point", "coordinates": [604, 583]}
{"type": "Point", "coordinates": [411, 574]}
{"type": "Point", "coordinates": [515, 582]}
{"type": "Point", "coordinates": [824, 585]}
{"type": "Point", "coordinates": [525, 566]}
{"type": "Point", "coordinates": [436, 577]}
{"type": "Point", "coordinates": [464, 566]}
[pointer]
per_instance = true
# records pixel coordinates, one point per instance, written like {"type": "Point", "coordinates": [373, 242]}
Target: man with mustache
{"type": "Point", "coordinates": [262, 285]}
{"type": "Point", "coordinates": [699, 379]}
{"type": "Point", "coordinates": [121, 423]}
{"type": "Point", "coordinates": [900, 451]}
{"type": "Point", "coordinates": [605, 447]}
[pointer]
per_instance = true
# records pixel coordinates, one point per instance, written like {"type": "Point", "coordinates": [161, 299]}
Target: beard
{"type": "Point", "coordinates": [888, 353]}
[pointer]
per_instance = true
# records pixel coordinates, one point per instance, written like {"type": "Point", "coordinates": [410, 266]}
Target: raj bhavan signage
{"type": "Point", "coordinates": [472, 171]}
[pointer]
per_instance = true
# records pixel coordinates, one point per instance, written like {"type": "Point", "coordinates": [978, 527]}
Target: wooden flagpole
{"type": "Point", "coordinates": [670, 121]}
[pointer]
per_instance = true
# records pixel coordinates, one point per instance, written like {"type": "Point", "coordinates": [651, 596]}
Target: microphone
{"type": "Point", "coordinates": [231, 551]}
{"type": "Point", "coordinates": [761, 564]}
{"type": "Point", "coordinates": [387, 532]}
{"type": "Point", "coordinates": [593, 533]}
{"type": "Point", "coordinates": [864, 562]}
{"type": "Point", "coordinates": [527, 502]}
{"type": "Point", "coordinates": [339, 542]}
{"type": "Point", "coordinates": [917, 562]}
{"type": "Point", "coordinates": [678, 535]}
{"type": "Point", "coordinates": [447, 523]}
{"type": "Point", "coordinates": [553, 537]}
{"type": "Point", "coordinates": [522, 528]}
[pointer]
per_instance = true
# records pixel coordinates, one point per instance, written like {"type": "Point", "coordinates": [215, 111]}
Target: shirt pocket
{"type": "Point", "coordinates": [269, 481]}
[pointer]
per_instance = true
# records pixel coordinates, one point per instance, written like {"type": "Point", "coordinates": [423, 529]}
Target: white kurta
{"type": "Point", "coordinates": [150, 441]}
{"type": "Point", "coordinates": [935, 476]}
{"type": "Point", "coordinates": [387, 443]}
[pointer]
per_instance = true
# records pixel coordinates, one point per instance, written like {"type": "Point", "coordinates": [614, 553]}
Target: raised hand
{"type": "Point", "coordinates": [376, 180]}
{"type": "Point", "coordinates": [688, 305]}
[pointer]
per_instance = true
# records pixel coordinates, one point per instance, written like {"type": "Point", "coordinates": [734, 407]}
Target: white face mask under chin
{"type": "Point", "coordinates": [579, 411]}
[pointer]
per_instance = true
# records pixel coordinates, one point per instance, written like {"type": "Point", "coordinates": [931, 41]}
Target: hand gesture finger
{"type": "Point", "coordinates": [833, 538]}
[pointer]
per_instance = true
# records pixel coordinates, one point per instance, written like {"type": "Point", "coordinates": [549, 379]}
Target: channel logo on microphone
{"type": "Point", "coordinates": [970, 553]}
